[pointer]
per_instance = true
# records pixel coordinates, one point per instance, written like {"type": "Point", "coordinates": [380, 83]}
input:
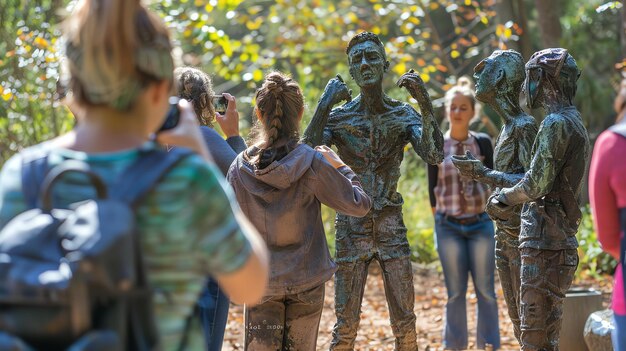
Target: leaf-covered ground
{"type": "Point", "coordinates": [375, 332]}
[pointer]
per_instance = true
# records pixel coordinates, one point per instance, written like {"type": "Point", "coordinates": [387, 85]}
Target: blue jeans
{"type": "Point", "coordinates": [213, 309]}
{"type": "Point", "coordinates": [463, 249]}
{"type": "Point", "coordinates": [619, 333]}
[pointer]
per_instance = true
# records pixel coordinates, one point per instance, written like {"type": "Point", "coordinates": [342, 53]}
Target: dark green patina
{"type": "Point", "coordinates": [549, 191]}
{"type": "Point", "coordinates": [370, 133]}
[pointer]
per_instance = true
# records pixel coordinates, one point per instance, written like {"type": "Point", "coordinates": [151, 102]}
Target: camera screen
{"type": "Point", "coordinates": [220, 103]}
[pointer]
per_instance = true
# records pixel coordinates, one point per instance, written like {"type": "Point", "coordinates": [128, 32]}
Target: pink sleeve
{"type": "Point", "coordinates": [602, 195]}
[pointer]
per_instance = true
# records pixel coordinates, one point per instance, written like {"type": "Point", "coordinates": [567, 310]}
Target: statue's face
{"type": "Point", "coordinates": [532, 87]}
{"type": "Point", "coordinates": [367, 63]}
{"type": "Point", "coordinates": [487, 74]}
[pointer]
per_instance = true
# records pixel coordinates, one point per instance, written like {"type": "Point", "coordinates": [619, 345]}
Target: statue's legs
{"type": "Point", "coordinates": [393, 254]}
{"type": "Point", "coordinates": [349, 286]}
{"type": "Point", "coordinates": [381, 235]}
{"type": "Point", "coordinates": [400, 294]}
{"type": "Point", "coordinates": [508, 263]}
{"type": "Point", "coordinates": [545, 277]}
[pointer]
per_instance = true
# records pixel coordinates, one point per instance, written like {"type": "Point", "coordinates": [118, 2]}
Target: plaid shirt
{"type": "Point", "coordinates": [452, 187]}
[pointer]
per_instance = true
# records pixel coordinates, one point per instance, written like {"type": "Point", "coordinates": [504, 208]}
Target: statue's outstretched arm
{"type": "Point", "coordinates": [470, 166]}
{"type": "Point", "coordinates": [547, 161]}
{"type": "Point", "coordinates": [335, 92]}
{"type": "Point", "coordinates": [427, 139]}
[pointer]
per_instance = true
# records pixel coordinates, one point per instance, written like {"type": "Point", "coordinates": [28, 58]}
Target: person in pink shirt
{"type": "Point", "coordinates": [607, 193]}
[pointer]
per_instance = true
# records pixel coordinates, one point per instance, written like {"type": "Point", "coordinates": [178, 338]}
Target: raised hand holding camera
{"type": "Point", "coordinates": [228, 118]}
{"type": "Point", "coordinates": [220, 103]}
{"type": "Point", "coordinates": [173, 115]}
{"type": "Point", "coordinates": [186, 133]}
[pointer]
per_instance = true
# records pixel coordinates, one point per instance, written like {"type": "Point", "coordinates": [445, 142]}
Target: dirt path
{"type": "Point", "coordinates": [374, 331]}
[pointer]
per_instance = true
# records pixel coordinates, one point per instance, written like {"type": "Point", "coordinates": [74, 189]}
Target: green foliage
{"type": "Point", "coordinates": [417, 211]}
{"type": "Point", "coordinates": [239, 41]}
{"type": "Point", "coordinates": [593, 261]}
{"type": "Point", "coordinates": [29, 66]}
{"type": "Point", "coordinates": [591, 34]}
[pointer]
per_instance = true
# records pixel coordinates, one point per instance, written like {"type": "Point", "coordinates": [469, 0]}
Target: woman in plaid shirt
{"type": "Point", "coordinates": [464, 232]}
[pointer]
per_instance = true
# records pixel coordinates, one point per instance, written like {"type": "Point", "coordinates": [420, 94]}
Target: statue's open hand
{"type": "Point", "coordinates": [468, 165]}
{"type": "Point", "coordinates": [414, 84]}
{"type": "Point", "coordinates": [337, 91]}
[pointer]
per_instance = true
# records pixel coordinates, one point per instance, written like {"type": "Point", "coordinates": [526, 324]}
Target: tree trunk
{"type": "Point", "coordinates": [505, 13]}
{"type": "Point", "coordinates": [548, 16]}
{"type": "Point", "coordinates": [526, 48]}
{"type": "Point", "coordinates": [515, 11]}
{"type": "Point", "coordinates": [623, 31]}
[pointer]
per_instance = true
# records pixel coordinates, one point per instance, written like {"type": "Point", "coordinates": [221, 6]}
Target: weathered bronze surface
{"type": "Point", "coordinates": [498, 84]}
{"type": "Point", "coordinates": [549, 191]}
{"type": "Point", "coordinates": [370, 133]}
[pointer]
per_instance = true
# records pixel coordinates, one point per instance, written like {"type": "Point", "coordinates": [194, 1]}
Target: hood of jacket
{"type": "Point", "coordinates": [278, 175]}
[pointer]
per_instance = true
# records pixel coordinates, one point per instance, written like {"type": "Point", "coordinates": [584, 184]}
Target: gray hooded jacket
{"type": "Point", "coordinates": [283, 201]}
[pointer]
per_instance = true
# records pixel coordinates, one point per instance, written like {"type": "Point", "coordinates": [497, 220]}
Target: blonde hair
{"type": "Point", "coordinates": [115, 48]}
{"type": "Point", "coordinates": [464, 87]}
{"type": "Point", "coordinates": [194, 85]}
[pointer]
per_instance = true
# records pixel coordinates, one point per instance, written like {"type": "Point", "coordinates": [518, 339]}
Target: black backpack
{"type": "Point", "coordinates": [74, 278]}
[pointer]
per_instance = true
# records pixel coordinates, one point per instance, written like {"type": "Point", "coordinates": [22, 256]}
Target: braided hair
{"type": "Point", "coordinates": [279, 103]}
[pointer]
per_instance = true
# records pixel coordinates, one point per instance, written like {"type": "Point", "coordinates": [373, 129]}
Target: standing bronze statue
{"type": "Point", "coordinates": [499, 81]}
{"type": "Point", "coordinates": [549, 191]}
{"type": "Point", "coordinates": [370, 133]}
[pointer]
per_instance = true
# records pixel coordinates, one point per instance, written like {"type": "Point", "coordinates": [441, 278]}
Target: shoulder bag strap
{"type": "Point", "coordinates": [134, 184]}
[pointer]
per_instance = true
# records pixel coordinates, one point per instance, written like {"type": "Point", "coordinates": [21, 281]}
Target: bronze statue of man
{"type": "Point", "coordinates": [549, 191]}
{"type": "Point", "coordinates": [499, 81]}
{"type": "Point", "coordinates": [370, 133]}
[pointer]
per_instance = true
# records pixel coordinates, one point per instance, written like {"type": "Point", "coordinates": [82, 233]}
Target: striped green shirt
{"type": "Point", "coordinates": [186, 223]}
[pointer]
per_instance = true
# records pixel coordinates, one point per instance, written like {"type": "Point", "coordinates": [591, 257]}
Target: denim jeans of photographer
{"type": "Point", "coordinates": [466, 249]}
{"type": "Point", "coordinates": [213, 312]}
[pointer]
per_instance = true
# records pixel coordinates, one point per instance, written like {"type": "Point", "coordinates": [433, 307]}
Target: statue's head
{"type": "Point", "coordinates": [367, 59]}
{"type": "Point", "coordinates": [500, 74]}
{"type": "Point", "coordinates": [550, 71]}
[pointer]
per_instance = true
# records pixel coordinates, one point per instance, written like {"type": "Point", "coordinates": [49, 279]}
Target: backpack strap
{"type": "Point", "coordinates": [143, 175]}
{"type": "Point", "coordinates": [134, 183]}
{"type": "Point", "coordinates": [34, 169]}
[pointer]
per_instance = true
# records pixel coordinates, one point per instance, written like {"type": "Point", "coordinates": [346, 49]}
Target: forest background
{"type": "Point", "coordinates": [237, 42]}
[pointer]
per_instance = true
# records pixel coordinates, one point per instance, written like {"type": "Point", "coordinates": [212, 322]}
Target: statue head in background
{"type": "Point", "coordinates": [500, 74]}
{"type": "Point", "coordinates": [551, 76]}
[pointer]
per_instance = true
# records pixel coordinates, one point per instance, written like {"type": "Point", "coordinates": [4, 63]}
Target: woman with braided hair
{"type": "Point", "coordinates": [280, 185]}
